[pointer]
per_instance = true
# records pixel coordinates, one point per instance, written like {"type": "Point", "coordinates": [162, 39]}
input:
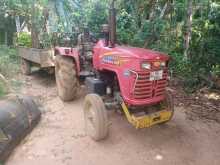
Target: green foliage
{"type": "Point", "coordinates": [205, 43]}
{"type": "Point", "coordinates": [46, 40]}
{"type": "Point", "coordinates": [216, 70]}
{"type": "Point", "coordinates": [167, 34]}
{"type": "Point", "coordinates": [96, 15]}
{"type": "Point", "coordinates": [24, 39]}
{"type": "Point", "coordinates": [8, 65]}
{"type": "Point", "coordinates": [146, 24]}
{"type": "Point", "coordinates": [2, 89]}
{"type": "Point", "coordinates": [126, 27]}
{"type": "Point", "coordinates": [8, 61]}
{"type": "Point", "coordinates": [158, 25]}
{"type": "Point", "coordinates": [32, 12]}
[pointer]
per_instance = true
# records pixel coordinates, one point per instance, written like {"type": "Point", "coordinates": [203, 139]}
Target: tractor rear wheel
{"type": "Point", "coordinates": [25, 66]}
{"type": "Point", "coordinates": [96, 120]}
{"type": "Point", "coordinates": [66, 80]}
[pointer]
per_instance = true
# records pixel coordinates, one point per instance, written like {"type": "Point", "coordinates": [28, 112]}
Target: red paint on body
{"type": "Point", "coordinates": [73, 52]}
{"type": "Point", "coordinates": [144, 92]}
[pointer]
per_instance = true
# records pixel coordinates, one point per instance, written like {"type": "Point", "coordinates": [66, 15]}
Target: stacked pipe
{"type": "Point", "coordinates": [18, 116]}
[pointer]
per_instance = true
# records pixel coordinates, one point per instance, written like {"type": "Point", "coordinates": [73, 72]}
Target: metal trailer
{"type": "Point", "coordinates": [42, 58]}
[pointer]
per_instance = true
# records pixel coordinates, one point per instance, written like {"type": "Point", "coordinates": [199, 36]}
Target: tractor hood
{"type": "Point", "coordinates": [131, 52]}
{"type": "Point", "coordinates": [140, 53]}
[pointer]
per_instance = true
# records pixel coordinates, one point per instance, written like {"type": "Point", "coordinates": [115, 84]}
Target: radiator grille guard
{"type": "Point", "coordinates": [143, 88]}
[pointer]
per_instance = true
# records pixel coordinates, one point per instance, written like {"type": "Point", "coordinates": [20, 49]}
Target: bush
{"type": "Point", "coordinates": [216, 70]}
{"type": "Point", "coordinates": [125, 27]}
{"type": "Point", "coordinates": [8, 61]}
{"type": "Point", "coordinates": [24, 39]}
{"type": "Point", "coordinates": [46, 40]}
{"type": "Point", "coordinates": [2, 89]}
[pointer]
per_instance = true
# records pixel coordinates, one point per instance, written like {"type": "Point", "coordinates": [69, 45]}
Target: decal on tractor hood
{"type": "Point", "coordinates": [113, 58]}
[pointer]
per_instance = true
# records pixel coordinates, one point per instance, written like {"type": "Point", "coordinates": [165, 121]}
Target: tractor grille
{"type": "Point", "coordinates": [146, 89]}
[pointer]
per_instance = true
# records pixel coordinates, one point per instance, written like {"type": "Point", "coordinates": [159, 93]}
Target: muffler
{"type": "Point", "coordinates": [18, 116]}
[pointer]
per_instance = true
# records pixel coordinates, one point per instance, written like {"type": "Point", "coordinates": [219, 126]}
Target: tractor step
{"type": "Point", "coordinates": [141, 120]}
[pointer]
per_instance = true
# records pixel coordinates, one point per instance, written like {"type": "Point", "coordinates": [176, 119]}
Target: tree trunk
{"type": "Point", "coordinates": [45, 20]}
{"type": "Point", "coordinates": [34, 38]}
{"type": "Point", "coordinates": [163, 10]}
{"type": "Point", "coordinates": [23, 26]}
{"type": "Point", "coordinates": [18, 24]}
{"type": "Point", "coordinates": [34, 31]}
{"type": "Point", "coordinates": [188, 29]}
{"type": "Point", "coordinates": [152, 13]}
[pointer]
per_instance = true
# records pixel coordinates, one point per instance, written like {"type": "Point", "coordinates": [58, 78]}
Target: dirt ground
{"type": "Point", "coordinates": [59, 138]}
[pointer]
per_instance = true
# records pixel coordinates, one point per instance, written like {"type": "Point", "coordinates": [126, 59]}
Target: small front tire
{"type": "Point", "coordinates": [95, 115]}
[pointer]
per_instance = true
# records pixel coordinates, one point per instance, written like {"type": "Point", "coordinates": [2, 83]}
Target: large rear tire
{"type": "Point", "coordinates": [66, 80]}
{"type": "Point", "coordinates": [96, 120]}
{"type": "Point", "coordinates": [25, 66]}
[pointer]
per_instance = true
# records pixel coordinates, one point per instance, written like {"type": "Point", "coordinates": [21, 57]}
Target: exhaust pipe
{"type": "Point", "coordinates": [112, 25]}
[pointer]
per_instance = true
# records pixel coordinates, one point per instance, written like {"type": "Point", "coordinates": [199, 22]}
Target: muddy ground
{"type": "Point", "coordinates": [59, 138]}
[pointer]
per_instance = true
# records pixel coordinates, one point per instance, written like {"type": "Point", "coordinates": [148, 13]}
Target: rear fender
{"type": "Point", "coordinates": [69, 52]}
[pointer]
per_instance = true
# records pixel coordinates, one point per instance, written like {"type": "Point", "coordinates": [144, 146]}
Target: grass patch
{"type": "Point", "coordinates": [9, 61]}
{"type": "Point", "coordinates": [9, 66]}
{"type": "Point", "coordinates": [2, 89]}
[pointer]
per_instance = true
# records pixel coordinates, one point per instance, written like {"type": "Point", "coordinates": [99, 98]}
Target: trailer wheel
{"type": "Point", "coordinates": [95, 116]}
{"type": "Point", "coordinates": [67, 82]}
{"type": "Point", "coordinates": [25, 66]}
{"type": "Point", "coordinates": [168, 102]}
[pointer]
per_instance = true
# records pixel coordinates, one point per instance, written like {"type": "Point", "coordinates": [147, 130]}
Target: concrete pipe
{"type": "Point", "coordinates": [18, 116]}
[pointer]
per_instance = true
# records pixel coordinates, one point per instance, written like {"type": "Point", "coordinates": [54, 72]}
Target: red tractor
{"type": "Point", "coordinates": [131, 79]}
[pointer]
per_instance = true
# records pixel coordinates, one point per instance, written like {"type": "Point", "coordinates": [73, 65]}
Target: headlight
{"type": "Point", "coordinates": [158, 64]}
{"type": "Point", "coordinates": [145, 65]}
{"type": "Point", "coordinates": [163, 64]}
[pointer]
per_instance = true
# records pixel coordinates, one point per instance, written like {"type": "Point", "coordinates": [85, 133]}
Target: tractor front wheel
{"type": "Point", "coordinates": [95, 114]}
{"type": "Point", "coordinates": [25, 66]}
{"type": "Point", "coordinates": [67, 82]}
